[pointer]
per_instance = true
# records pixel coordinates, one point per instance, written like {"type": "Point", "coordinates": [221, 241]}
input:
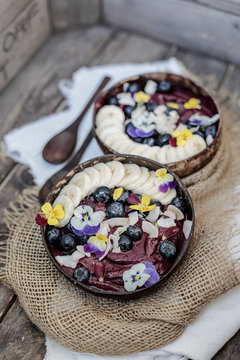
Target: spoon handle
{"type": "Point", "coordinates": [102, 85]}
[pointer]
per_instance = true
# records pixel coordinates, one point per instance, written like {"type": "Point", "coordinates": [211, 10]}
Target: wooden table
{"type": "Point", "coordinates": [34, 93]}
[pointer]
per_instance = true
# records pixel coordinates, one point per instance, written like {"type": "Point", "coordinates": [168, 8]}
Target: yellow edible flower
{"type": "Point", "coordinates": [173, 105]}
{"type": "Point", "coordinates": [182, 136]}
{"type": "Point", "coordinates": [163, 176]}
{"type": "Point", "coordinates": [144, 205]}
{"type": "Point", "coordinates": [140, 96]}
{"type": "Point", "coordinates": [117, 193]}
{"type": "Point", "coordinates": [192, 103]}
{"type": "Point", "coordinates": [53, 215]}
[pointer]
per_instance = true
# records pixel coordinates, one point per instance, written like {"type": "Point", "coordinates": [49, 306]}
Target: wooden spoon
{"type": "Point", "coordinates": [61, 146]}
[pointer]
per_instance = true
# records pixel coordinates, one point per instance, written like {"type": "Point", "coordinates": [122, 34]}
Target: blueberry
{"type": "Point", "coordinates": [211, 130]}
{"type": "Point", "coordinates": [133, 87]}
{"type": "Point", "coordinates": [102, 194]}
{"type": "Point", "coordinates": [124, 196]}
{"type": "Point", "coordinates": [157, 203]}
{"type": "Point", "coordinates": [53, 234]}
{"type": "Point", "coordinates": [125, 243]}
{"type": "Point", "coordinates": [149, 141]}
{"type": "Point", "coordinates": [180, 203]}
{"type": "Point", "coordinates": [81, 275]}
{"type": "Point", "coordinates": [69, 227]}
{"type": "Point", "coordinates": [162, 140]}
{"type": "Point", "coordinates": [164, 87]}
{"type": "Point", "coordinates": [67, 244]}
{"type": "Point", "coordinates": [167, 249]}
{"type": "Point", "coordinates": [82, 240]}
{"type": "Point", "coordinates": [134, 232]}
{"type": "Point", "coordinates": [151, 105]}
{"type": "Point", "coordinates": [115, 209]}
{"type": "Point", "coordinates": [112, 101]}
{"type": "Point", "coordinates": [128, 109]}
{"type": "Point", "coordinates": [199, 133]}
{"type": "Point", "coordinates": [138, 140]}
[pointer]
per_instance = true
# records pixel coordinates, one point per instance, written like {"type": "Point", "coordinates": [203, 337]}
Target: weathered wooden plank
{"type": "Point", "coordinates": [35, 92]}
{"type": "Point", "coordinates": [20, 339]}
{"type": "Point", "coordinates": [67, 14]}
{"type": "Point", "coordinates": [209, 70]}
{"type": "Point", "coordinates": [184, 23]}
{"type": "Point", "coordinates": [6, 299]}
{"type": "Point", "coordinates": [22, 37]}
{"type": "Point", "coordinates": [229, 6]}
{"type": "Point", "coordinates": [9, 10]}
{"type": "Point", "coordinates": [132, 48]}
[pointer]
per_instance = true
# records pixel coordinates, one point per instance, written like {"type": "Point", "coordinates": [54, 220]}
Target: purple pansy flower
{"type": "Point", "coordinates": [165, 180]}
{"type": "Point", "coordinates": [96, 244]}
{"type": "Point", "coordinates": [142, 274]}
{"type": "Point", "coordinates": [134, 132]}
{"type": "Point", "coordinates": [85, 221]}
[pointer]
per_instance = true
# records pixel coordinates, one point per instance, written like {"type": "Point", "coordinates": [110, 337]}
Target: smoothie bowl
{"type": "Point", "coordinates": [117, 225]}
{"type": "Point", "coordinates": [161, 116]}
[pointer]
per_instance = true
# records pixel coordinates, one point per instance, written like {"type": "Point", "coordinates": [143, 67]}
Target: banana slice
{"type": "Point", "coordinates": [172, 154]}
{"type": "Point", "coordinates": [108, 121]}
{"type": "Point", "coordinates": [118, 172]}
{"type": "Point", "coordinates": [94, 178]}
{"type": "Point", "coordinates": [67, 205]}
{"type": "Point", "coordinates": [181, 153]}
{"type": "Point", "coordinates": [82, 180]}
{"type": "Point", "coordinates": [162, 154]}
{"type": "Point", "coordinates": [195, 145]}
{"type": "Point", "coordinates": [143, 178]}
{"type": "Point", "coordinates": [170, 195]}
{"type": "Point", "coordinates": [104, 172]}
{"type": "Point", "coordinates": [132, 174]}
{"type": "Point", "coordinates": [106, 133]}
{"type": "Point", "coordinates": [73, 192]}
{"type": "Point", "coordinates": [110, 111]}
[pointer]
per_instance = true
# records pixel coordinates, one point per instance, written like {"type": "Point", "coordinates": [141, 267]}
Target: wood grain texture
{"type": "Point", "coordinates": [22, 37]}
{"type": "Point", "coordinates": [20, 340]}
{"type": "Point", "coordinates": [9, 10]}
{"type": "Point", "coordinates": [67, 14]}
{"type": "Point", "coordinates": [184, 23]}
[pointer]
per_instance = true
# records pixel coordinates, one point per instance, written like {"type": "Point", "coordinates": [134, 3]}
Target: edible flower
{"type": "Point", "coordinates": [142, 274]}
{"type": "Point", "coordinates": [141, 96]}
{"type": "Point", "coordinates": [117, 193]}
{"type": "Point", "coordinates": [86, 221]}
{"type": "Point", "coordinates": [182, 136]}
{"type": "Point", "coordinates": [173, 105]}
{"type": "Point", "coordinates": [49, 215]}
{"type": "Point", "coordinates": [192, 103]}
{"type": "Point", "coordinates": [143, 206]}
{"type": "Point", "coordinates": [143, 120]}
{"type": "Point", "coordinates": [165, 180]}
{"type": "Point", "coordinates": [203, 120]}
{"type": "Point", "coordinates": [96, 244]}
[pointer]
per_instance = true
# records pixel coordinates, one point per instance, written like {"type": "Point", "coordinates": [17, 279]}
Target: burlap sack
{"type": "Point", "coordinates": [85, 323]}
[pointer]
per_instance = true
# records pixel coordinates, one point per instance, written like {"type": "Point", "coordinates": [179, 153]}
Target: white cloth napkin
{"type": "Point", "coordinates": [221, 319]}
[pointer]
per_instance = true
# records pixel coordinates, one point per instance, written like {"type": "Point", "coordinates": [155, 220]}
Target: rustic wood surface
{"type": "Point", "coordinates": [23, 29]}
{"type": "Point", "coordinates": [63, 54]}
{"type": "Point", "coordinates": [186, 23]}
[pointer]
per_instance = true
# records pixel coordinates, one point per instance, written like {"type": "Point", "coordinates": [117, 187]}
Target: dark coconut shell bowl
{"type": "Point", "coordinates": [182, 243]}
{"type": "Point", "coordinates": [181, 87]}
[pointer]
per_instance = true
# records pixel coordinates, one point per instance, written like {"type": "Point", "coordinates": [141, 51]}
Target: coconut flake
{"type": "Point", "coordinates": [104, 228]}
{"type": "Point", "coordinates": [125, 99]}
{"type": "Point", "coordinates": [133, 218]}
{"type": "Point", "coordinates": [118, 221]}
{"type": "Point", "coordinates": [150, 229]}
{"type": "Point", "coordinates": [117, 250]}
{"type": "Point", "coordinates": [166, 222]}
{"type": "Point", "coordinates": [209, 140]}
{"type": "Point", "coordinates": [187, 226]}
{"type": "Point", "coordinates": [153, 214]}
{"type": "Point", "coordinates": [67, 261]}
{"type": "Point", "coordinates": [120, 230]}
{"type": "Point", "coordinates": [150, 87]}
{"type": "Point", "coordinates": [114, 238]}
{"type": "Point", "coordinates": [170, 214]}
{"type": "Point", "coordinates": [176, 211]}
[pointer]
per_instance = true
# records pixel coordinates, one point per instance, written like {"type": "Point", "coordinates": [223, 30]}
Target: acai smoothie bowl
{"type": "Point", "coordinates": [117, 225]}
{"type": "Point", "coordinates": [161, 116]}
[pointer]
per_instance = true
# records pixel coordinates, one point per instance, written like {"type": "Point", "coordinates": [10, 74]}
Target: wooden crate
{"type": "Point", "coordinates": [24, 26]}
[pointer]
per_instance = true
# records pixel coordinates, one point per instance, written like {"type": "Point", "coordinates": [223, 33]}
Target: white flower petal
{"type": "Point", "coordinates": [77, 223]}
{"type": "Point", "coordinates": [95, 218]}
{"type": "Point", "coordinates": [130, 286]}
{"type": "Point", "coordinates": [141, 281]}
{"type": "Point", "coordinates": [82, 209]}
{"type": "Point", "coordinates": [138, 268]}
